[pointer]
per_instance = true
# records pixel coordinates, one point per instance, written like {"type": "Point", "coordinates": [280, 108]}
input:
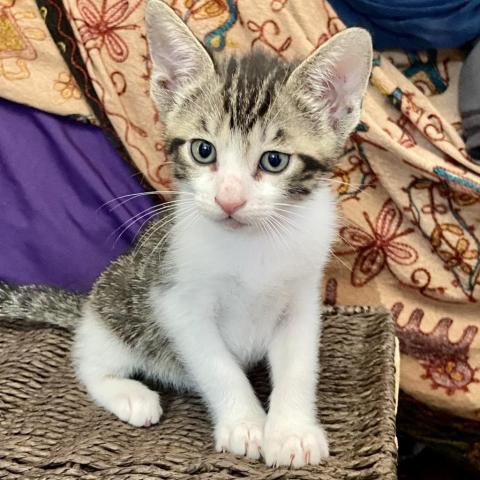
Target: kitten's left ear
{"type": "Point", "coordinates": [334, 78]}
{"type": "Point", "coordinates": [178, 58]}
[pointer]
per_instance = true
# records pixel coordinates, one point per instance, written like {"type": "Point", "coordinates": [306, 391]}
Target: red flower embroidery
{"type": "Point", "coordinates": [99, 27]}
{"type": "Point", "coordinates": [374, 250]}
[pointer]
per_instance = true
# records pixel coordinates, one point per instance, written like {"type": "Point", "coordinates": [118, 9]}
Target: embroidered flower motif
{"type": "Point", "coordinates": [457, 257]}
{"type": "Point", "coordinates": [377, 248]}
{"type": "Point", "coordinates": [66, 85]}
{"type": "Point", "coordinates": [459, 197]}
{"type": "Point", "coordinates": [16, 31]}
{"type": "Point", "coordinates": [100, 27]}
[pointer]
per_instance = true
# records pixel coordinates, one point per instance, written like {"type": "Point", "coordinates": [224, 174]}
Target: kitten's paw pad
{"type": "Point", "coordinates": [243, 437]}
{"type": "Point", "coordinates": [294, 446]}
{"type": "Point", "coordinates": [137, 405]}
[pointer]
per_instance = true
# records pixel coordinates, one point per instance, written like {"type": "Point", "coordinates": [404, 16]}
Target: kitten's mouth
{"type": "Point", "coordinates": [232, 223]}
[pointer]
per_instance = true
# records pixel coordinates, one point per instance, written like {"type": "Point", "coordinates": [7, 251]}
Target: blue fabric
{"type": "Point", "coordinates": [413, 24]}
{"type": "Point", "coordinates": [55, 175]}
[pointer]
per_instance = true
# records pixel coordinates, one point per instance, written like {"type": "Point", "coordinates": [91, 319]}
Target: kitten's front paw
{"type": "Point", "coordinates": [294, 444]}
{"type": "Point", "coordinates": [241, 436]}
{"type": "Point", "coordinates": [129, 400]}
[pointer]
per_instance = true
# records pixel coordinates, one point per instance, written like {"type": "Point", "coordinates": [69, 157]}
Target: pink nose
{"type": "Point", "coordinates": [230, 206]}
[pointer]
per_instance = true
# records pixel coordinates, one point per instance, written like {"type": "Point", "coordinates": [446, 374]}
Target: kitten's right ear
{"type": "Point", "coordinates": [178, 58]}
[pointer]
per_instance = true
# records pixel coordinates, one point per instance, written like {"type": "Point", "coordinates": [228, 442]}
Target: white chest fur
{"type": "Point", "coordinates": [247, 317]}
{"type": "Point", "coordinates": [248, 277]}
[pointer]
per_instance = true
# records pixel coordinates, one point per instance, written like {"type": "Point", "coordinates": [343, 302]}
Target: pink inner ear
{"type": "Point", "coordinates": [331, 96]}
{"type": "Point", "coordinates": [340, 88]}
{"type": "Point", "coordinates": [334, 100]}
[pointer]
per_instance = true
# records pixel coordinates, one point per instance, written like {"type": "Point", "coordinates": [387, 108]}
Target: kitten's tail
{"type": "Point", "coordinates": [40, 304]}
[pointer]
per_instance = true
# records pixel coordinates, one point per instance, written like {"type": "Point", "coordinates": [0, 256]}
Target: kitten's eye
{"type": "Point", "coordinates": [274, 162]}
{"type": "Point", "coordinates": [203, 152]}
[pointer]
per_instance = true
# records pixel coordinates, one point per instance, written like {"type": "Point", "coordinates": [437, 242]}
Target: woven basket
{"type": "Point", "coordinates": [50, 429]}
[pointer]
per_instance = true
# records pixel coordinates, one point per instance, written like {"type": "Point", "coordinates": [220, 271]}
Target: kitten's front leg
{"type": "Point", "coordinates": [238, 415]}
{"type": "Point", "coordinates": [293, 435]}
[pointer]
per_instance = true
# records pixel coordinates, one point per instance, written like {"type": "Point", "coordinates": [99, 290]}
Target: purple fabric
{"type": "Point", "coordinates": [55, 174]}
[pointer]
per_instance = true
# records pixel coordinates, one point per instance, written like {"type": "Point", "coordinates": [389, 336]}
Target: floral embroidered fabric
{"type": "Point", "coordinates": [408, 192]}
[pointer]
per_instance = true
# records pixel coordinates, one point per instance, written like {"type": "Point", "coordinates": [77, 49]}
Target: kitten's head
{"type": "Point", "coordinates": [252, 134]}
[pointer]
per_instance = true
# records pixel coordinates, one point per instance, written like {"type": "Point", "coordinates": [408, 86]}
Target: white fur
{"type": "Point", "coordinates": [103, 364]}
{"type": "Point", "coordinates": [240, 297]}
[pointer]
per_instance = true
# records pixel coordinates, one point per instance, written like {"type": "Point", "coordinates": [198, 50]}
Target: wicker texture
{"type": "Point", "coordinates": [50, 429]}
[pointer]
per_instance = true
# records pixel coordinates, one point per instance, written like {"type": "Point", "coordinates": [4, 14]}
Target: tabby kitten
{"type": "Point", "coordinates": [234, 276]}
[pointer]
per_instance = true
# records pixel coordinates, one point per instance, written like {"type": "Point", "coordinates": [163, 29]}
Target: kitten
{"type": "Point", "coordinates": [234, 276]}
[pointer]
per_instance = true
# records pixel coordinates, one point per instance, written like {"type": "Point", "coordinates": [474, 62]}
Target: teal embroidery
{"type": "Point", "coordinates": [438, 194]}
{"type": "Point", "coordinates": [396, 98]}
{"type": "Point", "coordinates": [215, 40]}
{"type": "Point", "coordinates": [441, 172]}
{"type": "Point", "coordinates": [429, 67]}
{"type": "Point", "coordinates": [361, 127]}
{"type": "Point", "coordinates": [376, 62]}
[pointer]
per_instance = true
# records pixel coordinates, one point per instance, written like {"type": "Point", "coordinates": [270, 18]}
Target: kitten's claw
{"type": "Point", "coordinates": [242, 437]}
{"type": "Point", "coordinates": [294, 445]}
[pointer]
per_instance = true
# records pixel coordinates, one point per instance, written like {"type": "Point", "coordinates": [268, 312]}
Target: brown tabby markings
{"type": "Point", "coordinates": [246, 92]}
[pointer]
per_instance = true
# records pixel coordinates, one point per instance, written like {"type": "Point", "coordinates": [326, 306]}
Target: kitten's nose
{"type": "Point", "coordinates": [230, 194]}
{"type": "Point", "coordinates": [230, 205]}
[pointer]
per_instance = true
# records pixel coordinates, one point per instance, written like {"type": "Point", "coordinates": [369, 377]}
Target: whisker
{"type": "Point", "coordinates": [284, 218]}
{"type": "Point", "coordinates": [151, 211]}
{"type": "Point", "coordinates": [162, 203]}
{"type": "Point", "coordinates": [140, 230]}
{"type": "Point", "coordinates": [292, 205]}
{"type": "Point", "coordinates": [341, 261]}
{"type": "Point", "coordinates": [140, 194]}
{"type": "Point", "coordinates": [131, 221]}
{"type": "Point", "coordinates": [190, 221]}
{"type": "Point", "coordinates": [284, 224]}
{"type": "Point", "coordinates": [274, 235]}
{"type": "Point", "coordinates": [269, 233]}
{"type": "Point", "coordinates": [332, 180]}
{"type": "Point", "coordinates": [296, 214]}
{"type": "Point", "coordinates": [276, 228]}
{"type": "Point", "coordinates": [144, 241]}
{"type": "Point", "coordinates": [345, 241]}
{"type": "Point", "coordinates": [162, 224]}
{"type": "Point", "coordinates": [172, 213]}
{"type": "Point", "coordinates": [269, 230]}
{"type": "Point", "coordinates": [189, 217]}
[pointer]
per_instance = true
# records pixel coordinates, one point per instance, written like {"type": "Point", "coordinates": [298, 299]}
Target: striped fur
{"type": "Point", "coordinates": [248, 96]}
{"type": "Point", "coordinates": [40, 304]}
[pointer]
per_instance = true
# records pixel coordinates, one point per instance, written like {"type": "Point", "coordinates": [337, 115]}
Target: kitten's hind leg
{"type": "Point", "coordinates": [103, 364]}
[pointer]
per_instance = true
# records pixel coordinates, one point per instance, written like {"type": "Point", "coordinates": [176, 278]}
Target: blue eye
{"type": "Point", "coordinates": [274, 162]}
{"type": "Point", "coordinates": [203, 152]}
